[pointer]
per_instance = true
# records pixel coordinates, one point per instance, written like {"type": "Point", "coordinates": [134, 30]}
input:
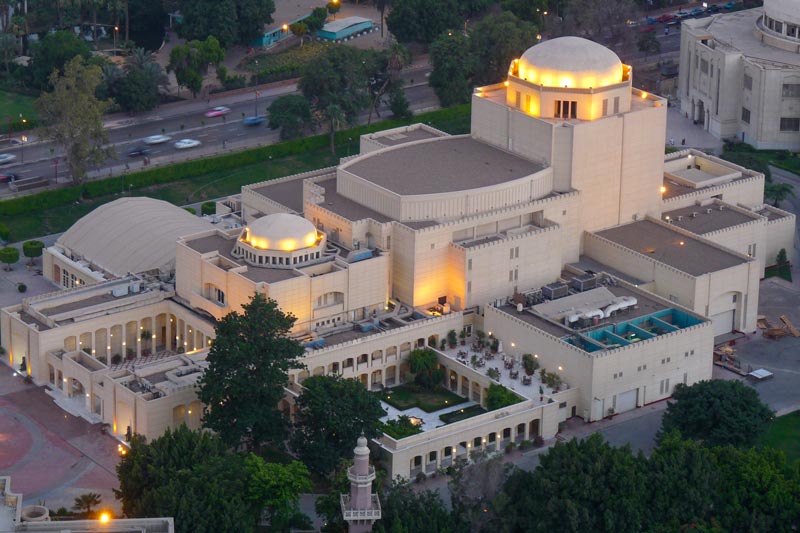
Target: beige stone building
{"type": "Point", "coordinates": [557, 227]}
{"type": "Point", "coordinates": [740, 74]}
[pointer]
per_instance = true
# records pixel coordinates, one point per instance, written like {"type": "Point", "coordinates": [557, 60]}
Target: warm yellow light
{"type": "Point", "coordinates": [561, 368]}
{"type": "Point", "coordinates": [681, 243]}
{"type": "Point", "coordinates": [104, 518]}
{"type": "Point", "coordinates": [285, 27]}
{"type": "Point", "coordinates": [565, 82]}
{"type": "Point", "coordinates": [644, 95]}
{"type": "Point", "coordinates": [288, 245]}
{"type": "Point", "coordinates": [505, 83]}
{"type": "Point", "coordinates": [190, 411]}
{"type": "Point", "coordinates": [663, 190]}
{"type": "Point", "coordinates": [311, 239]}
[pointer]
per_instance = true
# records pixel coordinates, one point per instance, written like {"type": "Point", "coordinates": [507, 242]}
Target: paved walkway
{"type": "Point", "coordinates": [52, 456]}
{"type": "Point", "coordinates": [680, 129]}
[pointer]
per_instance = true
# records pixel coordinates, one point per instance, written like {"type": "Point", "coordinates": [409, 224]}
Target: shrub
{"type": "Point", "coordinates": [103, 359]}
{"type": "Point", "coordinates": [498, 396]}
{"type": "Point", "coordinates": [538, 441]}
{"type": "Point", "coordinates": [21, 287]}
{"type": "Point", "coordinates": [208, 208]}
{"type": "Point", "coordinates": [130, 353]}
{"type": "Point", "coordinates": [526, 444]}
{"type": "Point", "coordinates": [32, 249]}
{"type": "Point", "coordinates": [116, 359]}
{"type": "Point", "coordinates": [5, 233]}
{"type": "Point", "coordinates": [530, 364]}
{"type": "Point", "coordinates": [421, 477]}
{"type": "Point", "coordinates": [191, 210]}
{"type": "Point", "coordinates": [509, 447]}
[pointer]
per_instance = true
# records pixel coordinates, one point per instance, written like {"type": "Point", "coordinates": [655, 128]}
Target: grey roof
{"type": "Point", "coordinates": [441, 165]}
{"type": "Point", "coordinates": [287, 193]}
{"type": "Point", "coordinates": [131, 234]}
{"type": "Point", "coordinates": [705, 222]}
{"type": "Point", "coordinates": [665, 245]}
{"type": "Point", "coordinates": [224, 246]}
{"type": "Point", "coordinates": [346, 207]}
{"type": "Point", "coordinates": [402, 137]}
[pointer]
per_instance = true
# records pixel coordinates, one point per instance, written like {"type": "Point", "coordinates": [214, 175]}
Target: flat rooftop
{"type": "Point", "coordinates": [667, 246]}
{"type": "Point", "coordinates": [401, 137]}
{"type": "Point", "coordinates": [771, 214]}
{"type": "Point", "coordinates": [224, 247]}
{"type": "Point", "coordinates": [707, 219]}
{"type": "Point", "coordinates": [288, 193]}
{"type": "Point", "coordinates": [346, 207]}
{"type": "Point", "coordinates": [442, 165]}
{"type": "Point", "coordinates": [587, 264]}
{"type": "Point", "coordinates": [674, 189]}
{"type": "Point", "coordinates": [735, 32]}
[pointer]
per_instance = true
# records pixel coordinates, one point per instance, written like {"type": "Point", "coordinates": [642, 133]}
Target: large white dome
{"type": "Point", "coordinates": [783, 10]}
{"type": "Point", "coordinates": [280, 231]}
{"type": "Point", "coordinates": [571, 62]}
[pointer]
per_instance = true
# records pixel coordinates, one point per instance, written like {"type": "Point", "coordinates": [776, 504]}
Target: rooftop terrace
{"type": "Point", "coordinates": [665, 245]}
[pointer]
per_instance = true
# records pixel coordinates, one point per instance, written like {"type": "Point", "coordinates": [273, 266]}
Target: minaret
{"type": "Point", "coordinates": [361, 508]}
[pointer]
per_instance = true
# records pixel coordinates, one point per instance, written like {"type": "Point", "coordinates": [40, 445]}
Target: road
{"type": "Point", "coordinates": [185, 120]}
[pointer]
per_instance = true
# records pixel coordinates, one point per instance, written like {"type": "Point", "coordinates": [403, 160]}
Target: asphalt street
{"type": "Point", "coordinates": [184, 121]}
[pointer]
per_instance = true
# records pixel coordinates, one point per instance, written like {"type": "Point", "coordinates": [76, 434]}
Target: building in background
{"type": "Point", "coordinates": [740, 75]}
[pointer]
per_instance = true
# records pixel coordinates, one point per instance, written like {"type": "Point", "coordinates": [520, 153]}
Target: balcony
{"type": "Point", "coordinates": [361, 514]}
{"type": "Point", "coordinates": [361, 480]}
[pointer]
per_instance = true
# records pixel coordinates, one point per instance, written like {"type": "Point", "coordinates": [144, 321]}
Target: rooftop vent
{"type": "Point", "coordinates": [680, 217]}
{"type": "Point", "coordinates": [694, 214]}
{"type": "Point", "coordinates": [721, 207]}
{"type": "Point", "coordinates": [709, 211]}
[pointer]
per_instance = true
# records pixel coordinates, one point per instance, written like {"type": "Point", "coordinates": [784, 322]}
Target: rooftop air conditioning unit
{"type": "Point", "coordinates": [709, 211]}
{"type": "Point", "coordinates": [680, 217]}
{"type": "Point", "coordinates": [694, 214]}
{"type": "Point", "coordinates": [721, 207]}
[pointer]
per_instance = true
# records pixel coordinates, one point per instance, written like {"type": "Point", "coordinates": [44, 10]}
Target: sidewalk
{"type": "Point", "coordinates": [681, 128]}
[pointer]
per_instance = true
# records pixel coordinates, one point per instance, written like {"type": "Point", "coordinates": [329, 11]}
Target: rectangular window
{"type": "Point", "coordinates": [748, 82]}
{"type": "Point", "coordinates": [791, 90]}
{"type": "Point", "coordinates": [469, 264]}
{"type": "Point", "coordinates": [605, 106]}
{"type": "Point", "coordinates": [791, 30]}
{"type": "Point", "coordinates": [704, 66]}
{"type": "Point", "coordinates": [778, 27]}
{"type": "Point", "coordinates": [573, 110]}
{"type": "Point", "coordinates": [510, 275]}
{"type": "Point", "coordinates": [518, 100]}
{"type": "Point", "coordinates": [219, 296]}
{"type": "Point", "coordinates": [790, 124]}
{"type": "Point", "coordinates": [562, 405]}
{"type": "Point", "coordinates": [511, 253]}
{"type": "Point", "coordinates": [566, 109]}
{"type": "Point", "coordinates": [527, 102]}
{"type": "Point", "coordinates": [745, 115]}
{"type": "Point", "coordinates": [516, 274]}
{"type": "Point", "coordinates": [684, 378]}
{"type": "Point", "coordinates": [516, 252]}
{"type": "Point", "coordinates": [557, 112]}
{"type": "Point", "coordinates": [469, 286]}
{"type": "Point", "coordinates": [389, 242]}
{"type": "Point", "coordinates": [616, 105]}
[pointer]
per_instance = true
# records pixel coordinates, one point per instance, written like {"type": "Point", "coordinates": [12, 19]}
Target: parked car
{"type": "Point", "coordinates": [680, 15]}
{"type": "Point", "coordinates": [186, 143]}
{"type": "Point", "coordinates": [6, 159]}
{"type": "Point", "coordinates": [697, 12]}
{"type": "Point", "coordinates": [138, 151]}
{"type": "Point", "coordinates": [8, 177]}
{"type": "Point", "coordinates": [666, 17]}
{"type": "Point", "coordinates": [253, 121]}
{"type": "Point", "coordinates": [650, 20]}
{"type": "Point", "coordinates": [632, 23]}
{"type": "Point", "coordinates": [218, 111]}
{"type": "Point", "coordinates": [729, 5]}
{"type": "Point", "coordinates": [713, 8]}
{"type": "Point", "coordinates": [647, 29]}
{"type": "Point", "coordinates": [157, 139]}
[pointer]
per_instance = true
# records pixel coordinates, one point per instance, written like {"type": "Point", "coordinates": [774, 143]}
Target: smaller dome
{"type": "Point", "coordinates": [572, 62]}
{"type": "Point", "coordinates": [783, 10]}
{"type": "Point", "coordinates": [280, 231]}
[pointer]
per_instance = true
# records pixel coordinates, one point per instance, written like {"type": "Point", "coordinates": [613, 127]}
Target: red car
{"type": "Point", "coordinates": [7, 177]}
{"type": "Point", "coordinates": [218, 111]}
{"type": "Point", "coordinates": [666, 17]}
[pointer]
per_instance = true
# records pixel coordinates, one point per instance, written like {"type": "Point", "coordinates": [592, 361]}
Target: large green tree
{"type": "Point", "coordinates": [530, 10]}
{"type": "Point", "coordinates": [423, 20]}
{"type": "Point", "coordinates": [778, 192]}
{"type": "Point", "coordinates": [194, 477]}
{"type": "Point", "coordinates": [248, 368]}
{"type": "Point", "coordinates": [580, 485]}
{"type": "Point", "coordinates": [53, 53]}
{"type": "Point", "coordinates": [405, 510]}
{"type": "Point", "coordinates": [190, 61]}
{"type": "Point", "coordinates": [331, 414]}
{"type": "Point", "coordinates": [717, 412]}
{"type": "Point", "coordinates": [453, 65]}
{"type": "Point", "coordinates": [495, 42]}
{"type": "Point", "coordinates": [339, 77]}
{"type": "Point", "coordinates": [230, 21]}
{"type": "Point", "coordinates": [424, 364]}
{"type": "Point", "coordinates": [474, 486]}
{"type": "Point", "coordinates": [292, 114]}
{"type": "Point", "coordinates": [73, 117]}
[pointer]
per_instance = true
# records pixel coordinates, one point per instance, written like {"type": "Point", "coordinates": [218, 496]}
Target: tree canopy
{"type": "Point", "coordinates": [292, 114]}
{"type": "Point", "coordinates": [248, 368]}
{"type": "Point", "coordinates": [53, 52]}
{"type": "Point", "coordinates": [451, 77]}
{"type": "Point", "coordinates": [73, 117]}
{"type": "Point", "coordinates": [191, 60]}
{"type": "Point", "coordinates": [195, 478]}
{"type": "Point", "coordinates": [230, 21]}
{"type": "Point", "coordinates": [331, 414]}
{"type": "Point", "coordinates": [423, 20]}
{"type": "Point", "coordinates": [405, 510]}
{"type": "Point", "coordinates": [424, 364]}
{"type": "Point", "coordinates": [717, 412]}
{"type": "Point", "coordinates": [340, 77]}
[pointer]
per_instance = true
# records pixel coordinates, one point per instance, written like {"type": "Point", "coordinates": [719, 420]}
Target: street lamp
{"type": "Point", "coordinates": [116, 29]}
{"type": "Point", "coordinates": [335, 3]}
{"type": "Point", "coordinates": [24, 139]}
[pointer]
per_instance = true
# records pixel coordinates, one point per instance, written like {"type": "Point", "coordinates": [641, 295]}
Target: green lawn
{"type": "Point", "coordinates": [462, 414]}
{"type": "Point", "coordinates": [404, 398]}
{"type": "Point", "coordinates": [12, 104]}
{"type": "Point", "coordinates": [784, 434]}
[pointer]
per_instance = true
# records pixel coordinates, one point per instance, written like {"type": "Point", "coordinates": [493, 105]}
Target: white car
{"type": "Point", "coordinates": [157, 139]}
{"type": "Point", "coordinates": [186, 143]}
{"type": "Point", "coordinates": [5, 159]}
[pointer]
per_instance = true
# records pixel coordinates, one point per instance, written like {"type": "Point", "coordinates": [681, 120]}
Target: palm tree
{"type": "Point", "coordinates": [778, 192]}
{"type": "Point", "coordinates": [140, 58]}
{"type": "Point", "coordinates": [87, 501]}
{"type": "Point", "coordinates": [335, 117]}
{"type": "Point", "coordinates": [8, 48]}
{"type": "Point", "coordinates": [382, 5]}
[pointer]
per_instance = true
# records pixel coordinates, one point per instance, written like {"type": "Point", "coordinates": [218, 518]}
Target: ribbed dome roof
{"type": "Point", "coordinates": [281, 231]}
{"type": "Point", "coordinates": [572, 62]}
{"type": "Point", "coordinates": [783, 10]}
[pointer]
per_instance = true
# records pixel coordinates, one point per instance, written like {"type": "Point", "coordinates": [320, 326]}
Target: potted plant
{"type": "Point", "coordinates": [130, 353]}
{"type": "Point", "coordinates": [495, 344]}
{"type": "Point", "coordinates": [538, 441]}
{"type": "Point", "coordinates": [463, 337]}
{"type": "Point", "coordinates": [116, 359]}
{"type": "Point", "coordinates": [509, 447]}
{"type": "Point", "coordinates": [543, 375]}
{"type": "Point", "coordinates": [145, 335]}
{"type": "Point", "coordinates": [474, 360]}
{"type": "Point", "coordinates": [443, 344]}
{"type": "Point", "coordinates": [493, 373]}
{"type": "Point", "coordinates": [530, 363]}
{"type": "Point", "coordinates": [541, 393]}
{"type": "Point", "coordinates": [452, 338]}
{"type": "Point", "coordinates": [480, 335]}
